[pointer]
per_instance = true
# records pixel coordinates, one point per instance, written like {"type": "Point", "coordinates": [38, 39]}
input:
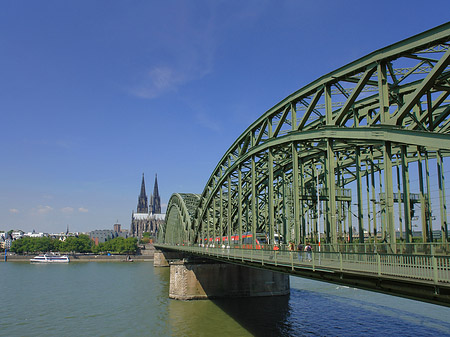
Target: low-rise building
{"type": "Point", "coordinates": [103, 235]}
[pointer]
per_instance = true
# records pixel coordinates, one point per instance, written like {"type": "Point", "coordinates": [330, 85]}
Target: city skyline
{"type": "Point", "coordinates": [95, 93]}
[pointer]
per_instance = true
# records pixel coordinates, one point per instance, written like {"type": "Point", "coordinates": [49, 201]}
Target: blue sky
{"type": "Point", "coordinates": [94, 93]}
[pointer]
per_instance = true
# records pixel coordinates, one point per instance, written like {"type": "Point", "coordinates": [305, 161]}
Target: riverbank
{"type": "Point", "coordinates": [85, 258]}
{"type": "Point", "coordinates": [145, 253]}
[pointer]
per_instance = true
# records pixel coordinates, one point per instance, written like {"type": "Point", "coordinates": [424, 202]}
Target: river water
{"type": "Point", "coordinates": [131, 299]}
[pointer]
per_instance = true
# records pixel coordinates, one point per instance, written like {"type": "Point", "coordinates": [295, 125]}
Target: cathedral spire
{"type": "Point", "coordinates": [142, 206]}
{"type": "Point", "coordinates": [155, 200]}
{"type": "Point", "coordinates": [142, 186]}
{"type": "Point", "coordinates": [155, 188]}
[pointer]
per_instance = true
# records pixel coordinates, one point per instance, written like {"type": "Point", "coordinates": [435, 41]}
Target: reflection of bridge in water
{"type": "Point", "coordinates": [334, 156]}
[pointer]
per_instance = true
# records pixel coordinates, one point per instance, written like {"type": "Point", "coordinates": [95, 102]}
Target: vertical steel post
{"type": "Point", "coordinates": [229, 213]}
{"type": "Point", "coordinates": [350, 225]}
{"type": "Point", "coordinates": [286, 234]}
{"type": "Point", "coordinates": [422, 198]}
{"type": "Point", "coordinates": [331, 182]}
{"type": "Point", "coordinates": [221, 216]}
{"type": "Point", "coordinates": [382, 203]}
{"type": "Point", "coordinates": [214, 220]}
{"type": "Point", "coordinates": [389, 195]}
{"type": "Point", "coordinates": [254, 215]}
{"type": "Point", "coordinates": [374, 205]}
{"type": "Point", "coordinates": [295, 191]}
{"type": "Point", "coordinates": [271, 197]}
{"type": "Point", "coordinates": [369, 217]}
{"type": "Point", "coordinates": [406, 196]}
{"type": "Point", "coordinates": [359, 194]}
{"type": "Point", "coordinates": [316, 221]}
{"type": "Point", "coordinates": [383, 93]}
{"type": "Point", "coordinates": [443, 206]}
{"type": "Point", "coordinates": [302, 205]}
{"type": "Point", "coordinates": [428, 199]}
{"type": "Point", "coordinates": [240, 204]}
{"type": "Point", "coordinates": [399, 197]}
{"type": "Point", "coordinates": [339, 212]}
{"type": "Point", "coordinates": [208, 227]}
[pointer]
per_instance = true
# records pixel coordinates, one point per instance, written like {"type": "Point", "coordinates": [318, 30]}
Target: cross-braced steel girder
{"type": "Point", "coordinates": [352, 137]}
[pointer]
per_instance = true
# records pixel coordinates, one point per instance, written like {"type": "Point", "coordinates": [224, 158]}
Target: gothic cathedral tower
{"type": "Point", "coordinates": [148, 217]}
{"type": "Point", "coordinates": [142, 206]}
{"type": "Point", "coordinates": [155, 200]}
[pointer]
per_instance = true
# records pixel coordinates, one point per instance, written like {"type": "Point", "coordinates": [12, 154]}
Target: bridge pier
{"type": "Point", "coordinates": [206, 279]}
{"type": "Point", "coordinates": [161, 259]}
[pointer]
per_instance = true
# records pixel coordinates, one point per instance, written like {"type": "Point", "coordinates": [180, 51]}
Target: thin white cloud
{"type": "Point", "coordinates": [207, 122]}
{"type": "Point", "coordinates": [13, 210]}
{"type": "Point", "coordinates": [188, 50]}
{"type": "Point", "coordinates": [83, 210]}
{"type": "Point", "coordinates": [159, 80]}
{"type": "Point", "coordinates": [67, 210]}
{"type": "Point", "coordinates": [43, 209]}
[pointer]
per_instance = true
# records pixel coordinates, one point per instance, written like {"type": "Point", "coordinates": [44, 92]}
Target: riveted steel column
{"type": "Point", "coordinates": [229, 213]}
{"type": "Point", "coordinates": [302, 205]}
{"type": "Point", "coordinates": [208, 226]}
{"type": "Point", "coordinates": [328, 106]}
{"type": "Point", "coordinates": [254, 215]}
{"type": "Point", "coordinates": [422, 198]}
{"type": "Point", "coordinates": [295, 192]}
{"type": "Point", "coordinates": [443, 206]}
{"type": "Point", "coordinates": [383, 93]}
{"type": "Point", "coordinates": [368, 201]}
{"type": "Point", "coordinates": [214, 220]}
{"type": "Point", "coordinates": [240, 204]}
{"type": "Point", "coordinates": [389, 195]}
{"type": "Point", "coordinates": [359, 194]}
{"type": "Point", "coordinates": [374, 205]}
{"type": "Point", "coordinates": [339, 215]}
{"type": "Point", "coordinates": [406, 196]}
{"type": "Point", "coordinates": [428, 200]}
{"type": "Point", "coordinates": [399, 198]}
{"type": "Point", "coordinates": [382, 203]}
{"type": "Point", "coordinates": [271, 198]}
{"type": "Point", "coordinates": [350, 225]}
{"type": "Point", "coordinates": [221, 215]}
{"type": "Point", "coordinates": [331, 214]}
{"type": "Point", "coordinates": [316, 221]}
{"type": "Point", "coordinates": [286, 234]}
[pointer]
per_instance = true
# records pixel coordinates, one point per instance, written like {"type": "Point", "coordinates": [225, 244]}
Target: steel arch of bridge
{"type": "Point", "coordinates": [344, 144]}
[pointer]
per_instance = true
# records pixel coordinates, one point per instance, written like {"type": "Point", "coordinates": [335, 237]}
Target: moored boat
{"type": "Point", "coordinates": [45, 258]}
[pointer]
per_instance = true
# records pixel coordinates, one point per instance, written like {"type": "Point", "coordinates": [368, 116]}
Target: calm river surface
{"type": "Point", "coordinates": [131, 299]}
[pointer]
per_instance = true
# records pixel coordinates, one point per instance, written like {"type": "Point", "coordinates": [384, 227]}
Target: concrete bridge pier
{"type": "Point", "coordinates": [190, 280]}
{"type": "Point", "coordinates": [162, 259]}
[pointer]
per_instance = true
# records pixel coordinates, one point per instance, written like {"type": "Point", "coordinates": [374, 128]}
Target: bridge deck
{"type": "Point", "coordinates": [423, 277]}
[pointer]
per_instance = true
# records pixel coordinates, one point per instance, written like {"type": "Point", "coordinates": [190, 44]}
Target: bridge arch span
{"type": "Point", "coordinates": [178, 227]}
{"type": "Point", "coordinates": [333, 160]}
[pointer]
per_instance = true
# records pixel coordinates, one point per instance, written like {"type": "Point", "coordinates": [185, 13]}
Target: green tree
{"type": "Point", "coordinates": [35, 245]}
{"type": "Point", "coordinates": [80, 244]}
{"type": "Point", "coordinates": [117, 245]}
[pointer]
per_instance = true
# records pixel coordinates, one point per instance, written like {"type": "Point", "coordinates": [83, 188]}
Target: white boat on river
{"type": "Point", "coordinates": [45, 258]}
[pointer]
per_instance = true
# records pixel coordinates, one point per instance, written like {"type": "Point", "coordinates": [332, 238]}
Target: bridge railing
{"type": "Point", "coordinates": [433, 268]}
{"type": "Point", "coordinates": [429, 248]}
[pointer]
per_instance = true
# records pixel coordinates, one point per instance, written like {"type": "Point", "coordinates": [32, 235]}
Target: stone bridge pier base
{"type": "Point", "coordinates": [194, 280]}
{"type": "Point", "coordinates": [161, 259]}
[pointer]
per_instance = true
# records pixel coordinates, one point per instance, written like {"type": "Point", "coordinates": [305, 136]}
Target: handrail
{"type": "Point", "coordinates": [430, 268]}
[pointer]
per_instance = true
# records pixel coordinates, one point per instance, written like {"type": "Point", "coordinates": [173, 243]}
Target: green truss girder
{"type": "Point", "coordinates": [371, 117]}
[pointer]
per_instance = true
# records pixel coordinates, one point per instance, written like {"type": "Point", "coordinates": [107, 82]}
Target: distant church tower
{"type": "Point", "coordinates": [155, 200]}
{"type": "Point", "coordinates": [147, 217]}
{"type": "Point", "coordinates": [142, 206]}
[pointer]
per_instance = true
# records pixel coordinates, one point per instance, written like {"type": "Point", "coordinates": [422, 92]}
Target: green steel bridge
{"type": "Point", "coordinates": [353, 163]}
